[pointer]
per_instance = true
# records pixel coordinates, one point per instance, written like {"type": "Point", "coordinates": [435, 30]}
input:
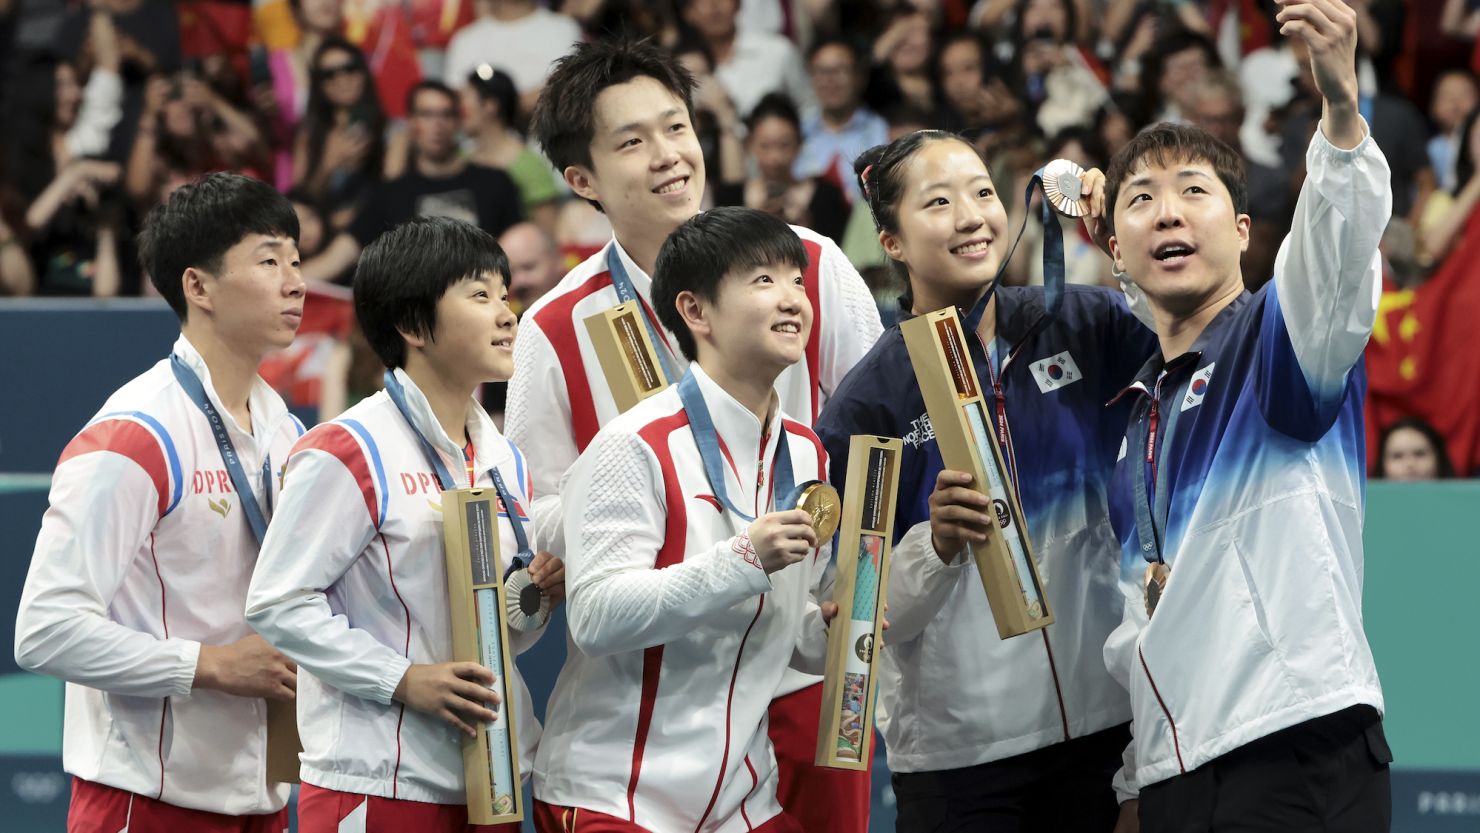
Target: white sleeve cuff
{"type": "Point", "coordinates": [385, 690]}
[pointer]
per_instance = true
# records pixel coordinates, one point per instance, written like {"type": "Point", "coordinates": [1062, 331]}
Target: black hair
{"type": "Point", "coordinates": [498, 87]}
{"type": "Point", "coordinates": [692, 43]}
{"type": "Point", "coordinates": [836, 40]}
{"type": "Point", "coordinates": [1166, 144]}
{"type": "Point", "coordinates": [202, 221]}
{"type": "Point", "coordinates": [319, 116]}
{"type": "Point", "coordinates": [429, 84]}
{"type": "Point", "coordinates": [708, 246]}
{"type": "Point", "coordinates": [1430, 433]}
{"type": "Point", "coordinates": [880, 172]}
{"type": "Point", "coordinates": [1464, 160]}
{"type": "Point", "coordinates": [775, 106]}
{"type": "Point", "coordinates": [30, 116]}
{"type": "Point", "coordinates": [404, 272]}
{"type": "Point", "coordinates": [1018, 36]}
{"type": "Point", "coordinates": [991, 66]}
{"type": "Point", "coordinates": [1153, 66]}
{"type": "Point", "coordinates": [564, 120]}
{"type": "Point", "coordinates": [1088, 139]}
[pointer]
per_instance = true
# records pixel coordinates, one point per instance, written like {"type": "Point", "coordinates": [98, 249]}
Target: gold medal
{"type": "Point", "coordinates": [822, 502]}
{"type": "Point", "coordinates": [1063, 184]}
{"type": "Point", "coordinates": [1156, 584]}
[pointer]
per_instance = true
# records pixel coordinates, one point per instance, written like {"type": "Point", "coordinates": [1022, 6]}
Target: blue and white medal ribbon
{"type": "Point", "coordinates": [1062, 191]}
{"type": "Point", "coordinates": [245, 494]}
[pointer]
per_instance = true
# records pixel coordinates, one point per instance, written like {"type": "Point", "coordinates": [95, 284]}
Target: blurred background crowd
{"type": "Point", "coordinates": [368, 112]}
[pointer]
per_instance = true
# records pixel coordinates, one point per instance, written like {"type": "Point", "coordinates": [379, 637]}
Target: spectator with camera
{"type": "Point", "coordinates": [439, 182]}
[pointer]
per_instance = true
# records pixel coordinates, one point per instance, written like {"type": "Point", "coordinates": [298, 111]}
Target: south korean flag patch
{"type": "Point", "coordinates": [1055, 372]}
{"type": "Point", "coordinates": [1198, 388]}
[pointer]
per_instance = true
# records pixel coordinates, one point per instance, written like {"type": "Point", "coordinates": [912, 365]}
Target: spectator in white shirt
{"type": "Point", "coordinates": [749, 64]}
{"type": "Point", "coordinates": [516, 36]}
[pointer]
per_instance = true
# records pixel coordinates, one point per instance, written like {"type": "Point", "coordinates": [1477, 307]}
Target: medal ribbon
{"type": "Point", "coordinates": [246, 496]}
{"type": "Point", "coordinates": [707, 439]}
{"type": "Point", "coordinates": [1053, 260]}
{"type": "Point", "coordinates": [622, 283]}
{"type": "Point", "coordinates": [1151, 492]}
{"type": "Point", "coordinates": [444, 476]}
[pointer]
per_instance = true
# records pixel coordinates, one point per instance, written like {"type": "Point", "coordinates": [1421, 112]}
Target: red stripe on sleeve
{"type": "Point", "coordinates": [132, 440]}
{"type": "Point", "coordinates": [560, 327]}
{"type": "Point", "coordinates": [336, 440]}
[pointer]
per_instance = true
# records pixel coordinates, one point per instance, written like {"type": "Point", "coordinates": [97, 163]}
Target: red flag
{"type": "Point", "coordinates": [1424, 360]}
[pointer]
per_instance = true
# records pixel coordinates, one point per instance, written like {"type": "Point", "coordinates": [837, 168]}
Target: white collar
{"type": "Point", "coordinates": [489, 447]}
{"type": "Point", "coordinates": [268, 409]}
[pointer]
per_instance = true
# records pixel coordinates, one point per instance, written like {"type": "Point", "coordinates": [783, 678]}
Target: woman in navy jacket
{"type": "Point", "coordinates": [984, 733]}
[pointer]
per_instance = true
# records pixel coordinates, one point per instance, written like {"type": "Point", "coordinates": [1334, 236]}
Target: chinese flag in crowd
{"type": "Point", "coordinates": [1424, 356]}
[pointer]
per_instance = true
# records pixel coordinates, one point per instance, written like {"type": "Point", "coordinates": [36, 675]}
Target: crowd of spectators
{"type": "Point", "coordinates": [368, 112]}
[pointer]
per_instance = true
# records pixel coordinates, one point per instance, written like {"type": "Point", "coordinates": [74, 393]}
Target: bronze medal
{"type": "Point", "coordinates": [822, 502]}
{"type": "Point", "coordinates": [1156, 584]}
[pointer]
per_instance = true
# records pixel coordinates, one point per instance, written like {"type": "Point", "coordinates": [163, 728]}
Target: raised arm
{"type": "Point", "coordinates": [1328, 271]}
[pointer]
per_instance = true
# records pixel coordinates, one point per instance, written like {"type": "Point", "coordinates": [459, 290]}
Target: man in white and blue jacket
{"type": "Point", "coordinates": [1239, 494]}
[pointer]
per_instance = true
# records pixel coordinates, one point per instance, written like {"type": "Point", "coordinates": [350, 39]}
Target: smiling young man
{"type": "Point", "coordinates": [1238, 497]}
{"type": "Point", "coordinates": [692, 572]}
{"type": "Point", "coordinates": [158, 506]}
{"type": "Point", "coordinates": [352, 582]}
{"type": "Point", "coordinates": [616, 119]}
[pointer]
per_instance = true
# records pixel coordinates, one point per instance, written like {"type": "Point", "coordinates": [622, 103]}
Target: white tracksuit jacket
{"type": "Point", "coordinates": [143, 556]}
{"type": "Point", "coordinates": [352, 585]}
{"type": "Point", "coordinates": [678, 638]}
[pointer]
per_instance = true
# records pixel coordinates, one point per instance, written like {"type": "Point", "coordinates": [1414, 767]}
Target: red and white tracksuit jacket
{"type": "Point", "coordinates": [352, 585]}
{"type": "Point", "coordinates": [144, 555]}
{"type": "Point", "coordinates": [558, 397]}
{"type": "Point", "coordinates": [679, 639]}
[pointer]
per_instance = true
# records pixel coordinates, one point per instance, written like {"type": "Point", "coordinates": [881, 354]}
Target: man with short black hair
{"type": "Point", "coordinates": [158, 506]}
{"type": "Point", "coordinates": [438, 183]}
{"type": "Point", "coordinates": [1238, 495]}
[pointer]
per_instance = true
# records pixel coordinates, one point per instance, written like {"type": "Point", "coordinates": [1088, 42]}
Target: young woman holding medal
{"type": "Point", "coordinates": [352, 581]}
{"type": "Point", "coordinates": [693, 558]}
{"type": "Point", "coordinates": [1022, 734]}
{"type": "Point", "coordinates": [158, 506]}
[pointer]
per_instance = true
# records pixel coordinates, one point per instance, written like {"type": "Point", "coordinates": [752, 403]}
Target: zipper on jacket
{"type": "Point", "coordinates": [1010, 459]}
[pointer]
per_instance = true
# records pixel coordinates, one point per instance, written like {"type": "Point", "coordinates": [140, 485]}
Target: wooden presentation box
{"type": "Point", "coordinates": [283, 744]}
{"type": "Point", "coordinates": [475, 592]}
{"type": "Point", "coordinates": [628, 358]}
{"type": "Point", "coordinates": [845, 736]}
{"type": "Point", "coordinates": [964, 431]}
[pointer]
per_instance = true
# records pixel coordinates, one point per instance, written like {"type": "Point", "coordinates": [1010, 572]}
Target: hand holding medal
{"type": "Point", "coordinates": [822, 503]}
{"type": "Point", "coordinates": [530, 594]}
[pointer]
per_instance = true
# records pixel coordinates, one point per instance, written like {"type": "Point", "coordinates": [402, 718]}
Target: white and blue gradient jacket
{"type": "Point", "coordinates": [1254, 439]}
